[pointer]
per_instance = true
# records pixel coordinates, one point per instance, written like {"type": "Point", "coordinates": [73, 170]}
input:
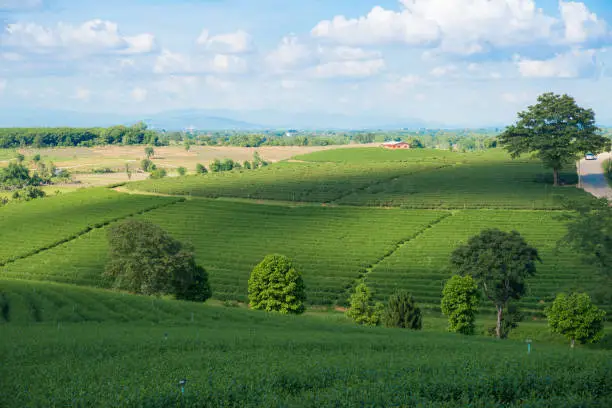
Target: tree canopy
{"type": "Point", "coordinates": [145, 259]}
{"type": "Point", "coordinates": [557, 130]}
{"type": "Point", "coordinates": [361, 308]}
{"type": "Point", "coordinates": [576, 318]}
{"type": "Point", "coordinates": [275, 285]}
{"type": "Point", "coordinates": [460, 299]}
{"type": "Point", "coordinates": [500, 262]}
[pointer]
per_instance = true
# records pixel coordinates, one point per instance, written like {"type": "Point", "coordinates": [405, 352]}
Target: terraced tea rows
{"type": "Point", "coordinates": [314, 182]}
{"type": "Point", "coordinates": [331, 246]}
{"type": "Point", "coordinates": [493, 185]}
{"type": "Point", "coordinates": [423, 179]}
{"type": "Point", "coordinates": [38, 224]}
{"type": "Point", "coordinates": [421, 266]}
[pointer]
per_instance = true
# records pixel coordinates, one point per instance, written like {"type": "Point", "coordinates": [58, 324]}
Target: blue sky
{"type": "Point", "coordinates": [461, 62]}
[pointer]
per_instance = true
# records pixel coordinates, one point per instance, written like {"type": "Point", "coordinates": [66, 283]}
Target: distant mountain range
{"type": "Point", "coordinates": [213, 120]}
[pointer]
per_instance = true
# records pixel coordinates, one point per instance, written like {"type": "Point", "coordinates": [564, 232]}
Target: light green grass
{"type": "Point", "coordinates": [132, 351]}
{"type": "Point", "coordinates": [379, 154]}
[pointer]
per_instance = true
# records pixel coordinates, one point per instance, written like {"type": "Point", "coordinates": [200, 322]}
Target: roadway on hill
{"type": "Point", "coordinates": [593, 178]}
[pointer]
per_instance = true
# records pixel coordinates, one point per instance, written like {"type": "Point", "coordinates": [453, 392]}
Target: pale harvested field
{"type": "Point", "coordinates": [82, 160]}
{"type": "Point", "coordinates": [115, 157]}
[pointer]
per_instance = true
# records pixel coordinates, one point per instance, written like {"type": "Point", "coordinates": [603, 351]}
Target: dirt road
{"type": "Point", "coordinates": [593, 179]}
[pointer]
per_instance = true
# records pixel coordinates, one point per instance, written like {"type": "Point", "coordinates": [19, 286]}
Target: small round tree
{"type": "Point", "coordinates": [460, 299]}
{"type": "Point", "coordinates": [361, 309]}
{"type": "Point", "coordinates": [275, 285]}
{"type": "Point", "coordinates": [149, 152]}
{"type": "Point", "coordinates": [402, 311]}
{"type": "Point", "coordinates": [576, 318]}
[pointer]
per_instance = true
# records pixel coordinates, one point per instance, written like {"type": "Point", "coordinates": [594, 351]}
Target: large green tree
{"type": "Point", "coordinates": [275, 285]}
{"type": "Point", "coordinates": [557, 130]}
{"type": "Point", "coordinates": [145, 259]}
{"type": "Point", "coordinates": [500, 262]}
{"type": "Point", "coordinates": [361, 309]}
{"type": "Point", "coordinates": [460, 299]}
{"type": "Point", "coordinates": [576, 318]}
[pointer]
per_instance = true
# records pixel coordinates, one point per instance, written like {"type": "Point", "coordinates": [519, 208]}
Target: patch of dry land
{"type": "Point", "coordinates": [82, 161]}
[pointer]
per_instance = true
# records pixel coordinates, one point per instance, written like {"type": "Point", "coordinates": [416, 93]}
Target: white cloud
{"type": "Point", "coordinates": [290, 54]}
{"type": "Point", "coordinates": [139, 94]}
{"type": "Point", "coordinates": [324, 62]}
{"type": "Point", "coordinates": [462, 27]}
{"type": "Point", "coordinates": [399, 85]}
{"type": "Point", "coordinates": [91, 37]}
{"type": "Point", "coordinates": [82, 94]}
{"type": "Point", "coordinates": [354, 69]}
{"type": "Point", "coordinates": [231, 43]}
{"type": "Point", "coordinates": [3, 84]}
{"type": "Point", "coordinates": [175, 63]}
{"type": "Point", "coordinates": [580, 24]}
{"type": "Point", "coordinates": [573, 64]}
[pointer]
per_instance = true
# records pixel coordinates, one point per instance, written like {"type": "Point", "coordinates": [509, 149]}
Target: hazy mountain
{"type": "Point", "coordinates": [218, 119]}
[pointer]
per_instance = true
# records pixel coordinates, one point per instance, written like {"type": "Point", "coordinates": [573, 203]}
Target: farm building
{"type": "Point", "coordinates": [396, 145]}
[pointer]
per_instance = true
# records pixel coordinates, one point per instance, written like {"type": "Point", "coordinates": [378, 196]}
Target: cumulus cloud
{"type": "Point", "coordinates": [573, 64]}
{"type": "Point", "coordinates": [580, 24]}
{"type": "Point", "coordinates": [91, 37]}
{"type": "Point", "coordinates": [463, 27]}
{"type": "Point", "coordinates": [324, 62]}
{"type": "Point", "coordinates": [444, 70]}
{"type": "Point", "coordinates": [231, 43]}
{"type": "Point", "coordinates": [176, 63]}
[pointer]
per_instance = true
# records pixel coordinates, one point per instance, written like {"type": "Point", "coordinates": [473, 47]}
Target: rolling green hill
{"type": "Point", "coordinates": [94, 348]}
{"type": "Point", "coordinates": [425, 179]}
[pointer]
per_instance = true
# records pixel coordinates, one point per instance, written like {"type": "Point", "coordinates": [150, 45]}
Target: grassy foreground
{"type": "Point", "coordinates": [132, 351]}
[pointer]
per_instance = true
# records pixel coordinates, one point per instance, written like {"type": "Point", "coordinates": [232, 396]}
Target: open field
{"type": "Point", "coordinates": [236, 357]}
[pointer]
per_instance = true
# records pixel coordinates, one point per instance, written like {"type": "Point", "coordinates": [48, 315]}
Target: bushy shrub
{"type": "Point", "coordinates": [361, 309]}
{"type": "Point", "coordinates": [158, 173]}
{"type": "Point", "coordinates": [181, 171]}
{"type": "Point", "coordinates": [147, 165]}
{"type": "Point", "coordinates": [460, 299]}
{"type": "Point", "coordinates": [402, 311]}
{"type": "Point", "coordinates": [275, 285]}
{"type": "Point", "coordinates": [200, 169]}
{"type": "Point", "coordinates": [28, 193]}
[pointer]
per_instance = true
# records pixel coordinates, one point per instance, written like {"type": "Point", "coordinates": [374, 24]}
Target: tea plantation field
{"type": "Point", "coordinates": [425, 179]}
{"type": "Point", "coordinates": [131, 351]}
{"type": "Point", "coordinates": [31, 226]}
{"type": "Point", "coordinates": [332, 246]}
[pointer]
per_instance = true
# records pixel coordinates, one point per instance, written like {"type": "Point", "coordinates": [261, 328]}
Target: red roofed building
{"type": "Point", "coordinates": [396, 145]}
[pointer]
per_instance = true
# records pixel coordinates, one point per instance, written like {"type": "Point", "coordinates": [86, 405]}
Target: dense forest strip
{"type": "Point", "coordinates": [397, 246]}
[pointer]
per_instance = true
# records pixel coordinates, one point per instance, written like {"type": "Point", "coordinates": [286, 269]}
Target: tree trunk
{"type": "Point", "coordinates": [498, 328]}
{"type": "Point", "coordinates": [573, 343]}
{"type": "Point", "coordinates": [556, 176]}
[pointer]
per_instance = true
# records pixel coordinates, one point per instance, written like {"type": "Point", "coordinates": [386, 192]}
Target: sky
{"type": "Point", "coordinates": [460, 62]}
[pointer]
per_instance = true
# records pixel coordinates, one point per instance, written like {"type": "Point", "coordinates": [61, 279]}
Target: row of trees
{"type": "Point", "coordinates": [66, 136]}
